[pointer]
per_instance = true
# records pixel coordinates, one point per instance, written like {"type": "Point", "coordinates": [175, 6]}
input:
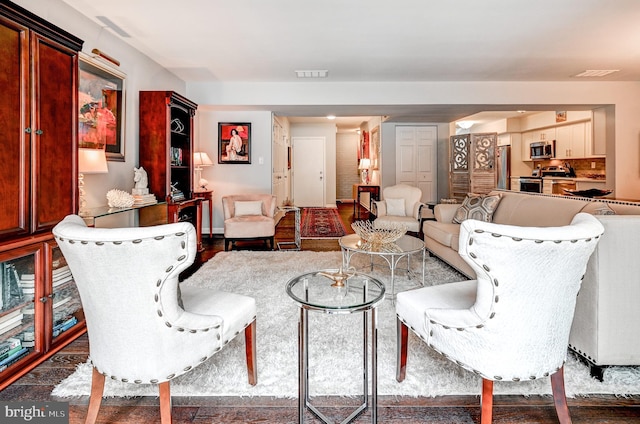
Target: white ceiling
{"type": "Point", "coordinates": [376, 40]}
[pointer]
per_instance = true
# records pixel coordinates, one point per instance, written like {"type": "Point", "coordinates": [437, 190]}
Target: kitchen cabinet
{"type": "Point", "coordinates": [589, 184]}
{"type": "Point", "coordinates": [166, 153]}
{"type": "Point", "coordinates": [515, 183]}
{"type": "Point", "coordinates": [597, 146]}
{"type": "Point", "coordinates": [509, 139]}
{"type": "Point", "coordinates": [571, 141]}
{"type": "Point", "coordinates": [38, 116]}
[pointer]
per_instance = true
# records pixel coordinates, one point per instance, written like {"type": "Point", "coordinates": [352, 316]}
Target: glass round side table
{"type": "Point", "coordinates": [331, 292]}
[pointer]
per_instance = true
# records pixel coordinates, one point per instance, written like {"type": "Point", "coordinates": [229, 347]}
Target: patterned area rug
{"type": "Point", "coordinates": [335, 342]}
{"type": "Point", "coordinates": [320, 223]}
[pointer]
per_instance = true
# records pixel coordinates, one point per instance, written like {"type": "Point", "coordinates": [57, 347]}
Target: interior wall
{"type": "Point", "coordinates": [329, 132]}
{"type": "Point", "coordinates": [141, 74]}
{"type": "Point", "coordinates": [225, 179]}
{"type": "Point", "coordinates": [623, 96]}
{"type": "Point", "coordinates": [346, 164]}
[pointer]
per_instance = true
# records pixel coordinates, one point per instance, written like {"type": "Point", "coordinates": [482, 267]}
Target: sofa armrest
{"type": "Point", "coordinates": [444, 212]}
{"type": "Point", "coordinates": [379, 208]}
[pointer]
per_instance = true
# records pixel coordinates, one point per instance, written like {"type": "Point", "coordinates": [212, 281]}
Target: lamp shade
{"type": "Point", "coordinates": [364, 164]}
{"type": "Point", "coordinates": [201, 159]}
{"type": "Point", "coordinates": [92, 161]}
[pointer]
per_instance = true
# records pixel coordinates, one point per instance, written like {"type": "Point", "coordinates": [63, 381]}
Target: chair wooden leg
{"type": "Point", "coordinates": [97, 388]}
{"type": "Point", "coordinates": [165, 402]}
{"type": "Point", "coordinates": [402, 340]}
{"type": "Point", "coordinates": [559, 396]}
{"type": "Point", "coordinates": [486, 413]}
{"type": "Point", "coordinates": [250, 348]}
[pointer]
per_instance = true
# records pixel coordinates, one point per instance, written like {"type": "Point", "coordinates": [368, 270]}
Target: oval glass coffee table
{"type": "Point", "coordinates": [331, 292]}
{"type": "Point", "coordinates": [392, 253]}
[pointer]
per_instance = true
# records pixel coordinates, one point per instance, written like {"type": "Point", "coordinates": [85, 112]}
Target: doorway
{"type": "Point", "coordinates": [309, 171]}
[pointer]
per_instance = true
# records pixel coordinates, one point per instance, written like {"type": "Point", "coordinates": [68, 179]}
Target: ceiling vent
{"type": "Point", "coordinates": [312, 74]}
{"type": "Point", "coordinates": [596, 73]}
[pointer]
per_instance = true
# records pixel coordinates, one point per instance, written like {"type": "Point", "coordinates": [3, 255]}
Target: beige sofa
{"type": "Point", "coordinates": [604, 330]}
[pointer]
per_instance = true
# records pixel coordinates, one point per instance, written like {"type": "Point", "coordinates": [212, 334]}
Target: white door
{"type": "Point", "coordinates": [416, 163]}
{"type": "Point", "coordinates": [308, 171]}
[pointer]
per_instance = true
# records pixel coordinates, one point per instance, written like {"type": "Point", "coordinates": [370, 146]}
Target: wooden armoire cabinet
{"type": "Point", "coordinates": [472, 164]}
{"type": "Point", "coordinates": [38, 186]}
{"type": "Point", "coordinates": [166, 153]}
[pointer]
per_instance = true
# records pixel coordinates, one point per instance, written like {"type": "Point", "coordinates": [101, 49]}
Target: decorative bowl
{"type": "Point", "coordinates": [592, 192]}
{"type": "Point", "coordinates": [385, 235]}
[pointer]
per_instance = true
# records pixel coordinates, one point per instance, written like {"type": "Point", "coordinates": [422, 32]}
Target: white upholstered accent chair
{"type": "Point", "coordinates": [138, 330]}
{"type": "Point", "coordinates": [400, 205]}
{"type": "Point", "coordinates": [249, 217]}
{"type": "Point", "coordinates": [513, 322]}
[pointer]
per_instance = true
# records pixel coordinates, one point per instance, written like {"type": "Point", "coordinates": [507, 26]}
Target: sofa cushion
{"type": "Point", "coordinates": [395, 207]}
{"type": "Point", "coordinates": [444, 233]}
{"type": "Point", "coordinates": [528, 210]}
{"type": "Point", "coordinates": [253, 207]}
{"type": "Point", "coordinates": [477, 206]}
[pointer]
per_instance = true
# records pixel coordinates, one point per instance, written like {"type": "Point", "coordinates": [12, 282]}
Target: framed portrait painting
{"type": "Point", "coordinates": [101, 104]}
{"type": "Point", "coordinates": [234, 142]}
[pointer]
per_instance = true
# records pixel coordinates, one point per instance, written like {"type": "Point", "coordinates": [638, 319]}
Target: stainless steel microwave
{"type": "Point", "coordinates": [543, 149]}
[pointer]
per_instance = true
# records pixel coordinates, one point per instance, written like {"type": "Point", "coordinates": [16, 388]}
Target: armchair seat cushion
{"type": "Point", "coordinates": [249, 226]}
{"type": "Point", "coordinates": [236, 310]}
{"type": "Point", "coordinates": [391, 220]}
{"type": "Point", "coordinates": [411, 305]}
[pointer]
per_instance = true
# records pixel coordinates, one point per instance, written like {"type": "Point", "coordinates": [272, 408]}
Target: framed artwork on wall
{"type": "Point", "coordinates": [374, 151]}
{"type": "Point", "coordinates": [234, 142]}
{"type": "Point", "coordinates": [561, 116]}
{"type": "Point", "coordinates": [101, 107]}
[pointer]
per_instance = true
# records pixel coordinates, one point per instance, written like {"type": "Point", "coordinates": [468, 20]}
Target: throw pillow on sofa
{"type": "Point", "coordinates": [477, 206]}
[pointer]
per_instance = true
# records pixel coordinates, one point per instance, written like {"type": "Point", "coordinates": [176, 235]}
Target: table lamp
{"type": "Point", "coordinates": [364, 166]}
{"type": "Point", "coordinates": [200, 160]}
{"type": "Point", "coordinates": [90, 161]}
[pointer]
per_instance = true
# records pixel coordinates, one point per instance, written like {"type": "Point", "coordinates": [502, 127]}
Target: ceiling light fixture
{"type": "Point", "coordinates": [596, 73]}
{"type": "Point", "coordinates": [465, 125]}
{"type": "Point", "coordinates": [312, 74]}
{"type": "Point", "coordinates": [331, 117]}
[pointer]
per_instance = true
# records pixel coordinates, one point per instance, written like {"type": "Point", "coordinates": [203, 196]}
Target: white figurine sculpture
{"type": "Point", "coordinates": [141, 181]}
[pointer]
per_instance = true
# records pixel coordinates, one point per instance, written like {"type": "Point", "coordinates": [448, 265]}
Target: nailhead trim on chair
{"type": "Point", "coordinates": [159, 311]}
{"type": "Point", "coordinates": [491, 316]}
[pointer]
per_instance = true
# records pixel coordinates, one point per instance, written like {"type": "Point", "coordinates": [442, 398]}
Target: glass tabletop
{"type": "Point", "coordinates": [320, 292]}
{"type": "Point", "coordinates": [405, 244]}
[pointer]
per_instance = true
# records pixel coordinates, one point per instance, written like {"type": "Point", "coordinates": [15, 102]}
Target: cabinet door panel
{"type": "Point", "coordinates": [53, 143]}
{"type": "Point", "coordinates": [14, 118]}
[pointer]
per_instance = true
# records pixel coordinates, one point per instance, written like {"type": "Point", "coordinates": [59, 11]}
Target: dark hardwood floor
{"type": "Point", "coordinates": [37, 386]}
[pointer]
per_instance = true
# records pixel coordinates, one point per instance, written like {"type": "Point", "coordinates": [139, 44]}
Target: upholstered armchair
{"type": "Point", "coordinates": [400, 205]}
{"type": "Point", "coordinates": [249, 217]}
{"type": "Point", "coordinates": [513, 322]}
{"type": "Point", "coordinates": [143, 327]}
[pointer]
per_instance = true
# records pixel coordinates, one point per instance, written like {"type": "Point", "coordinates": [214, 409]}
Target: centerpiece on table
{"type": "Point", "coordinates": [378, 236]}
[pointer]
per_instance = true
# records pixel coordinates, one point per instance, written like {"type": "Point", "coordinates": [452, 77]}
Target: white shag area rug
{"type": "Point", "coordinates": [335, 342]}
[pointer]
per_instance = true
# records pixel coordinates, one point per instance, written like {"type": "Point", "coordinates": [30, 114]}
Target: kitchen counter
{"type": "Point", "coordinates": [582, 179]}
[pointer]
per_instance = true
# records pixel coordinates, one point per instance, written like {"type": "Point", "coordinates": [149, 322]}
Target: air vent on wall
{"type": "Point", "coordinates": [312, 74]}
